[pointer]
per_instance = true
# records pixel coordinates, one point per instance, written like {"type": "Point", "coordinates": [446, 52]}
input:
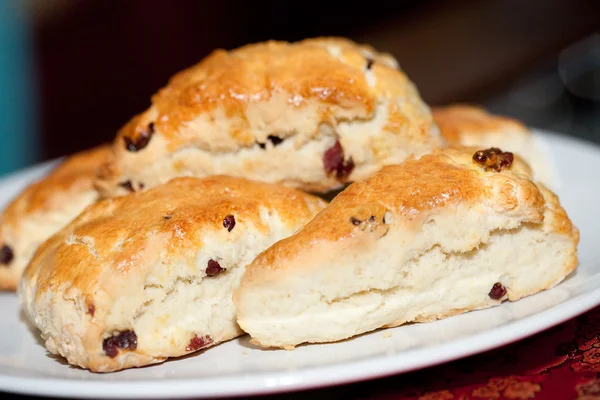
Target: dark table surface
{"type": "Point", "coordinates": [560, 363]}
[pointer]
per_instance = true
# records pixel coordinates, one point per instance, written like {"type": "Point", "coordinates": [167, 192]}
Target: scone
{"type": "Point", "coordinates": [43, 208]}
{"type": "Point", "coordinates": [313, 115]}
{"type": "Point", "coordinates": [470, 125]}
{"type": "Point", "coordinates": [433, 237]}
{"type": "Point", "coordinates": [140, 278]}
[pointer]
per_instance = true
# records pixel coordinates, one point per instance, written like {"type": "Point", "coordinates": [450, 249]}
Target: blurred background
{"type": "Point", "coordinates": [72, 71]}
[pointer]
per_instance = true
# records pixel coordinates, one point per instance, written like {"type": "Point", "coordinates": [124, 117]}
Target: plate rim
{"type": "Point", "coordinates": [307, 378]}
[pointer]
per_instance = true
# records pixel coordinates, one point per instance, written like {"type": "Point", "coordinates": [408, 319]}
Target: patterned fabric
{"type": "Point", "coordinates": [560, 363]}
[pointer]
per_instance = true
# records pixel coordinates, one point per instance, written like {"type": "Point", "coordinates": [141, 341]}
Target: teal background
{"type": "Point", "coordinates": [19, 146]}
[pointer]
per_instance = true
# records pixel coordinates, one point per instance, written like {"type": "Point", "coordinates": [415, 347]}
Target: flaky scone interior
{"type": "Point", "coordinates": [137, 279]}
{"type": "Point", "coordinates": [458, 230]}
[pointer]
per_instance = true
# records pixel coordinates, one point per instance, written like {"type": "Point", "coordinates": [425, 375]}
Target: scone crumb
{"type": "Point", "coordinates": [498, 291]}
{"type": "Point", "coordinates": [493, 159]}
{"type": "Point", "coordinates": [198, 342]}
{"type": "Point", "coordinates": [6, 255]}
{"type": "Point", "coordinates": [387, 335]}
{"type": "Point", "coordinates": [125, 340]}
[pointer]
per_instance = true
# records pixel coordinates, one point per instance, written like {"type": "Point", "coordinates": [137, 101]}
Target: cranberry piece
{"type": "Point", "coordinates": [198, 342]}
{"type": "Point", "coordinates": [275, 139]}
{"type": "Point", "coordinates": [370, 62]}
{"type": "Point", "coordinates": [479, 157]}
{"type": "Point", "coordinates": [127, 185]}
{"type": "Point", "coordinates": [6, 255]}
{"type": "Point", "coordinates": [261, 145]}
{"type": "Point", "coordinates": [141, 141]}
{"type": "Point", "coordinates": [167, 217]}
{"type": "Point", "coordinates": [126, 340]}
{"type": "Point", "coordinates": [213, 268]}
{"type": "Point", "coordinates": [91, 309]}
{"type": "Point", "coordinates": [498, 291]}
{"type": "Point", "coordinates": [493, 159]}
{"type": "Point", "coordinates": [333, 161]}
{"type": "Point", "coordinates": [334, 156]}
{"type": "Point", "coordinates": [345, 169]}
{"type": "Point", "coordinates": [229, 222]}
{"type": "Point", "coordinates": [355, 221]}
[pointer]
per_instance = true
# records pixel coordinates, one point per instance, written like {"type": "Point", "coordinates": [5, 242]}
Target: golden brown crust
{"type": "Point", "coordinates": [77, 173]}
{"type": "Point", "coordinates": [304, 72]}
{"type": "Point", "coordinates": [112, 237]}
{"type": "Point", "coordinates": [410, 190]}
{"type": "Point", "coordinates": [45, 206]}
{"type": "Point", "coordinates": [457, 119]}
{"type": "Point", "coordinates": [457, 225]}
{"type": "Point", "coordinates": [233, 100]}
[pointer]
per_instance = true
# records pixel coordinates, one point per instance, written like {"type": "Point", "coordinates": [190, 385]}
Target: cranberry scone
{"type": "Point", "coordinates": [137, 279]}
{"type": "Point", "coordinates": [444, 234]}
{"type": "Point", "coordinates": [471, 125]}
{"type": "Point", "coordinates": [313, 115]}
{"type": "Point", "coordinates": [43, 208]}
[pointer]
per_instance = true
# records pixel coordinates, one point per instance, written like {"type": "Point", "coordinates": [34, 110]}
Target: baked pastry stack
{"type": "Point", "coordinates": [216, 175]}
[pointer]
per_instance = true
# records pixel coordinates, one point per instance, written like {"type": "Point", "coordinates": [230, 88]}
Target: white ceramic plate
{"type": "Point", "coordinates": [237, 368]}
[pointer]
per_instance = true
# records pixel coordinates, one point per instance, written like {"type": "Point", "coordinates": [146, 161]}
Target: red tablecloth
{"type": "Point", "coordinates": [560, 363]}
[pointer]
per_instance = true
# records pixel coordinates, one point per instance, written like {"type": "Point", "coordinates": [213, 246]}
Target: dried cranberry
{"type": "Point", "coordinates": [372, 218]}
{"type": "Point", "coordinates": [213, 268]}
{"type": "Point", "coordinates": [498, 291]}
{"type": "Point", "coordinates": [345, 170]}
{"type": "Point", "coordinates": [141, 141]}
{"type": "Point", "coordinates": [333, 161]}
{"type": "Point", "coordinates": [493, 159]}
{"type": "Point", "coordinates": [229, 222]}
{"type": "Point", "coordinates": [6, 255]}
{"type": "Point", "coordinates": [127, 185]}
{"type": "Point", "coordinates": [333, 157]}
{"type": "Point", "coordinates": [355, 221]}
{"type": "Point", "coordinates": [275, 140]}
{"type": "Point", "coordinates": [126, 340]}
{"type": "Point", "coordinates": [91, 309]}
{"type": "Point", "coordinates": [370, 62]}
{"type": "Point", "coordinates": [198, 342]}
{"type": "Point", "coordinates": [167, 217]}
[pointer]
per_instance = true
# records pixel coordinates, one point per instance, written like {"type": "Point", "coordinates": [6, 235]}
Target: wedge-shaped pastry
{"type": "Point", "coordinates": [469, 125]}
{"type": "Point", "coordinates": [137, 279]}
{"type": "Point", "coordinates": [430, 238]}
{"type": "Point", "coordinates": [43, 208]}
{"type": "Point", "coordinates": [312, 114]}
